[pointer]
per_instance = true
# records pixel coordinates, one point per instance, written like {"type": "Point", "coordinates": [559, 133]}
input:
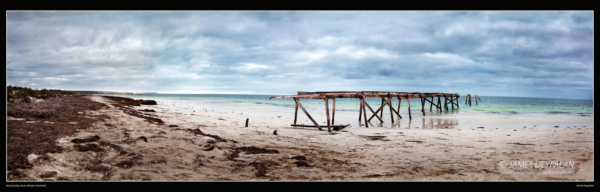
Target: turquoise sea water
{"type": "Point", "coordinates": [496, 112]}
{"type": "Point", "coordinates": [488, 104]}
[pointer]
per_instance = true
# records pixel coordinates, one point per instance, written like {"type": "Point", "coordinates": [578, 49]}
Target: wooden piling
{"type": "Point", "coordinates": [327, 112]}
{"type": "Point", "coordinates": [247, 119]}
{"type": "Point", "coordinates": [381, 113]}
{"type": "Point", "coordinates": [365, 112]}
{"type": "Point", "coordinates": [452, 103]}
{"type": "Point", "coordinates": [360, 111]}
{"type": "Point", "coordinates": [431, 105]}
{"type": "Point", "coordinates": [391, 112]}
{"type": "Point", "coordinates": [439, 104]}
{"type": "Point", "coordinates": [399, 102]}
{"type": "Point", "coordinates": [307, 114]}
{"type": "Point", "coordinates": [422, 105]}
{"type": "Point", "coordinates": [333, 115]}
{"type": "Point", "coordinates": [408, 103]}
{"type": "Point", "coordinates": [296, 113]}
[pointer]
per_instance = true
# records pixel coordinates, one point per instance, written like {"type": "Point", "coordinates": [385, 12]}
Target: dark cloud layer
{"type": "Point", "coordinates": [533, 54]}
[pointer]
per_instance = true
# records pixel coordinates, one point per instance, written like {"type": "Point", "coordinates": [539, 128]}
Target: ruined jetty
{"type": "Point", "coordinates": [386, 99]}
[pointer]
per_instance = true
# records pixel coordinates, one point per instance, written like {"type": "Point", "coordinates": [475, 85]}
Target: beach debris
{"type": "Point", "coordinates": [524, 126]}
{"type": "Point", "coordinates": [507, 135]}
{"type": "Point", "coordinates": [299, 157]}
{"type": "Point", "coordinates": [554, 143]}
{"type": "Point", "coordinates": [275, 132]}
{"type": "Point", "coordinates": [148, 110]}
{"type": "Point", "coordinates": [255, 150]}
{"type": "Point", "coordinates": [416, 141]}
{"type": "Point", "coordinates": [88, 147]}
{"type": "Point", "coordinates": [125, 164]}
{"type": "Point", "coordinates": [515, 130]}
{"type": "Point", "coordinates": [375, 137]}
{"type": "Point", "coordinates": [48, 174]}
{"type": "Point", "coordinates": [87, 139]}
{"type": "Point", "coordinates": [210, 148]}
{"type": "Point", "coordinates": [521, 143]}
{"type": "Point", "coordinates": [302, 164]}
{"type": "Point", "coordinates": [142, 138]}
{"type": "Point", "coordinates": [480, 127]}
{"type": "Point", "coordinates": [247, 119]}
{"type": "Point", "coordinates": [173, 126]}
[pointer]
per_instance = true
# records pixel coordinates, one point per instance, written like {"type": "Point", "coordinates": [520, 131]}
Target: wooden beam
{"type": "Point", "coordinates": [380, 109]}
{"type": "Point", "coordinates": [305, 112]}
{"type": "Point", "coordinates": [399, 102]}
{"type": "Point", "coordinates": [431, 105]}
{"type": "Point", "coordinates": [327, 110]}
{"type": "Point", "coordinates": [390, 104]}
{"type": "Point", "coordinates": [368, 106]}
{"type": "Point", "coordinates": [452, 103]}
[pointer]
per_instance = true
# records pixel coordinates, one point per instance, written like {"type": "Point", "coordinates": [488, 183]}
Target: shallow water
{"type": "Point", "coordinates": [490, 112]}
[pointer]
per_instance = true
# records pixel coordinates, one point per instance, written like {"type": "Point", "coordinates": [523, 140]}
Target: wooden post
{"type": "Point", "coordinates": [452, 103]}
{"type": "Point", "coordinates": [327, 110]}
{"type": "Point", "coordinates": [301, 107]}
{"type": "Point", "coordinates": [399, 102]}
{"type": "Point", "coordinates": [466, 98]}
{"type": "Point", "coordinates": [422, 105]}
{"type": "Point", "coordinates": [365, 112]}
{"type": "Point", "coordinates": [391, 112]}
{"type": "Point", "coordinates": [440, 103]}
{"type": "Point", "coordinates": [408, 103]}
{"type": "Point", "coordinates": [360, 110]}
{"type": "Point", "coordinates": [381, 113]}
{"type": "Point", "coordinates": [431, 104]}
{"type": "Point", "coordinates": [476, 100]}
{"type": "Point", "coordinates": [247, 119]}
{"type": "Point", "coordinates": [296, 113]}
{"type": "Point", "coordinates": [333, 115]}
{"type": "Point", "coordinates": [457, 106]}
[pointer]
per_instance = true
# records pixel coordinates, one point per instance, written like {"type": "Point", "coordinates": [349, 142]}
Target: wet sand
{"type": "Point", "coordinates": [135, 149]}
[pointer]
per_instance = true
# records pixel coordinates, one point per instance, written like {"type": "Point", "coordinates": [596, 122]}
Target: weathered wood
{"type": "Point", "coordinates": [394, 110]}
{"type": "Point", "coordinates": [333, 127]}
{"type": "Point", "coordinates": [452, 103]}
{"type": "Point", "coordinates": [423, 106]}
{"type": "Point", "coordinates": [368, 106]}
{"type": "Point", "coordinates": [327, 112]}
{"type": "Point", "coordinates": [408, 103]}
{"type": "Point", "coordinates": [365, 112]}
{"type": "Point", "coordinates": [457, 106]}
{"type": "Point", "coordinates": [391, 111]}
{"type": "Point", "coordinates": [476, 103]}
{"type": "Point", "coordinates": [296, 113]}
{"type": "Point", "coordinates": [431, 105]}
{"type": "Point", "coordinates": [333, 115]}
{"type": "Point", "coordinates": [360, 111]}
{"type": "Point", "coordinates": [247, 119]}
{"type": "Point", "coordinates": [380, 109]}
{"type": "Point", "coordinates": [381, 113]}
{"type": "Point", "coordinates": [307, 114]}
{"type": "Point", "coordinates": [440, 104]}
{"type": "Point", "coordinates": [399, 102]}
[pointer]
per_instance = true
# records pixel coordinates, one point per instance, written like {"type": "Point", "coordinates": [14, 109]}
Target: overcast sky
{"type": "Point", "coordinates": [528, 54]}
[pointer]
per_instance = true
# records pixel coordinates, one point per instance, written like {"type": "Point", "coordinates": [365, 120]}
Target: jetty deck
{"type": "Point", "coordinates": [386, 99]}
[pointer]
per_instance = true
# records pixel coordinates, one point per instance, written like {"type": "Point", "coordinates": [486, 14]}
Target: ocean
{"type": "Point", "coordinates": [489, 110]}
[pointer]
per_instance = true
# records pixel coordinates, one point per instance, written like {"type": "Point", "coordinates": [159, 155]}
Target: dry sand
{"type": "Point", "coordinates": [394, 154]}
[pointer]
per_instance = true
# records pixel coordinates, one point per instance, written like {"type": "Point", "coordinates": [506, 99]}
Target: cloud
{"type": "Point", "coordinates": [280, 52]}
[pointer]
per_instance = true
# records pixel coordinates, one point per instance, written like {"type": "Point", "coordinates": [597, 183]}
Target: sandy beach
{"type": "Point", "coordinates": [204, 145]}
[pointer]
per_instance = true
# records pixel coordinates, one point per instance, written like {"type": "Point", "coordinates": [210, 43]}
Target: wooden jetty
{"type": "Point", "coordinates": [468, 99]}
{"type": "Point", "coordinates": [386, 99]}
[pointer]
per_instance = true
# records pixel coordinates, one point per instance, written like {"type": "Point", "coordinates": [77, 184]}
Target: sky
{"type": "Point", "coordinates": [506, 53]}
